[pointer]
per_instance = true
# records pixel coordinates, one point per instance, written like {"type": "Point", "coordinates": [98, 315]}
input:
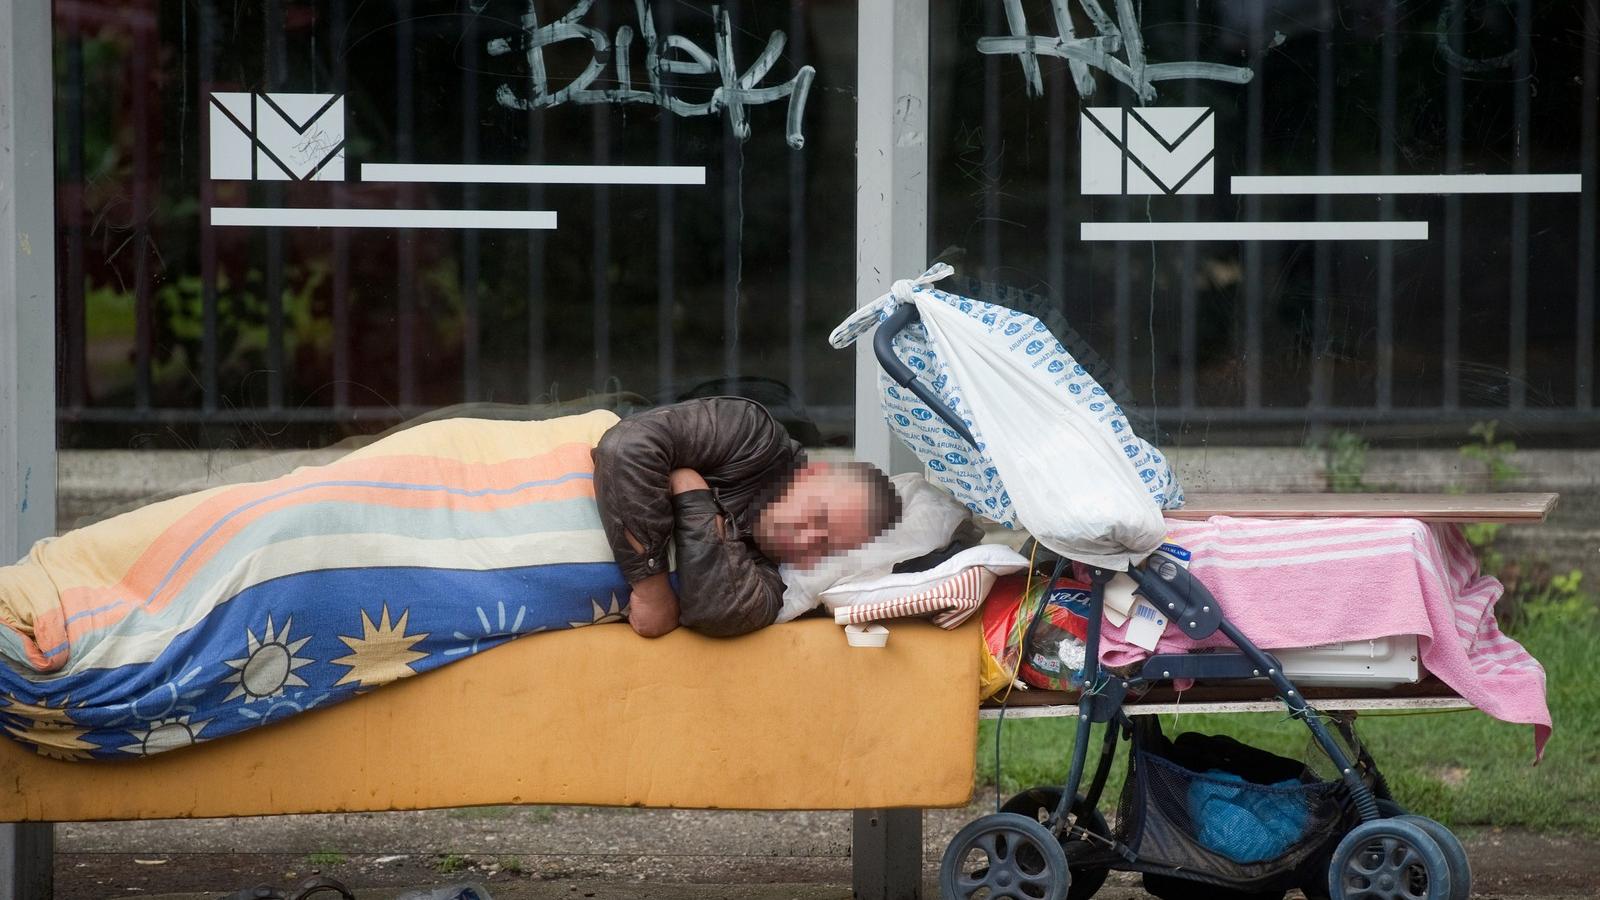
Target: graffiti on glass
{"type": "Point", "coordinates": [733, 91]}
{"type": "Point", "coordinates": [1116, 47]}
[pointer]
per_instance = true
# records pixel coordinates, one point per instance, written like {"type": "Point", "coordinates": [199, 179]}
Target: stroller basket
{"type": "Point", "coordinates": [1228, 813]}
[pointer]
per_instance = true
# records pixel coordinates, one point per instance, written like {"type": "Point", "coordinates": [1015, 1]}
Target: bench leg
{"type": "Point", "coordinates": [27, 861]}
{"type": "Point", "coordinates": [886, 854]}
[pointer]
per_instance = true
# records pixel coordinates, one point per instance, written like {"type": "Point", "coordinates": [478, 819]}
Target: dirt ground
{"type": "Point", "coordinates": [543, 853]}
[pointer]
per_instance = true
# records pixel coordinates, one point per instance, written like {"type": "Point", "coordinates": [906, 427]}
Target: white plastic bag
{"type": "Point", "coordinates": [1055, 454]}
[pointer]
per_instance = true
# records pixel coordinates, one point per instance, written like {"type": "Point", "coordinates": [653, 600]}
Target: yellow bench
{"type": "Point", "coordinates": [788, 718]}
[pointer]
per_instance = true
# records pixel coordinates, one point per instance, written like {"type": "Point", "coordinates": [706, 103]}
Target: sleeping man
{"type": "Point", "coordinates": [723, 482]}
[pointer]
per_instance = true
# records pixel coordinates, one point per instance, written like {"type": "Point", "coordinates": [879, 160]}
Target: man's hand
{"type": "Point", "coordinates": [653, 607]}
{"type": "Point", "coordinates": [653, 610]}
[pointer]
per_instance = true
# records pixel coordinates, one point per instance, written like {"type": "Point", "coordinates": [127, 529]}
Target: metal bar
{"type": "Point", "coordinates": [275, 64]}
{"type": "Point", "coordinates": [1322, 252]}
{"type": "Point", "coordinates": [27, 348]}
{"type": "Point", "coordinates": [1588, 214]}
{"type": "Point", "coordinates": [1256, 231]}
{"type": "Point", "coordinates": [1253, 252]}
{"type": "Point", "coordinates": [1388, 140]}
{"type": "Point", "coordinates": [601, 253]}
{"type": "Point", "coordinates": [208, 240]}
{"type": "Point", "coordinates": [537, 247]}
{"type": "Point", "coordinates": [1452, 220]}
{"type": "Point", "coordinates": [471, 240]}
{"type": "Point", "coordinates": [73, 320]}
{"type": "Point", "coordinates": [405, 241]}
{"type": "Point", "coordinates": [1188, 314]}
{"type": "Point", "coordinates": [1197, 707]}
{"type": "Point", "coordinates": [333, 217]}
{"type": "Point", "coordinates": [886, 854]}
{"type": "Point", "coordinates": [1122, 299]}
{"type": "Point", "coordinates": [1057, 86]}
{"type": "Point", "coordinates": [891, 185]}
{"type": "Point", "coordinates": [1522, 101]}
{"type": "Point", "coordinates": [143, 327]}
{"type": "Point", "coordinates": [341, 240]}
{"type": "Point", "coordinates": [798, 250]}
{"type": "Point", "coordinates": [732, 247]}
{"type": "Point", "coordinates": [992, 144]}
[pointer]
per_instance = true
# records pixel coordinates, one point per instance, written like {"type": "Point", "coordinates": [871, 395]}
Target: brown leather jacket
{"type": "Point", "coordinates": [725, 585]}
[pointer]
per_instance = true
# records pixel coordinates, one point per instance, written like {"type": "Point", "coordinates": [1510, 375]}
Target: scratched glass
{"type": "Point", "coordinates": [708, 249]}
{"type": "Point", "coordinates": [1250, 208]}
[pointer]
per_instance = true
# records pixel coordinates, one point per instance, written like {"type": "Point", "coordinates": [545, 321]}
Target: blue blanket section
{"type": "Point", "coordinates": [307, 641]}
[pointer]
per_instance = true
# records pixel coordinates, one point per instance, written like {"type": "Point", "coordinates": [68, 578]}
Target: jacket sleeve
{"type": "Point", "coordinates": [635, 457]}
{"type": "Point", "coordinates": [725, 587]}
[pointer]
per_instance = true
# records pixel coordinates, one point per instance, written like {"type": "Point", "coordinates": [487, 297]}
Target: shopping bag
{"type": "Point", "coordinates": [1054, 455]}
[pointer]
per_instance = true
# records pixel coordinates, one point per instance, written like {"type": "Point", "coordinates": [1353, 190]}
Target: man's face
{"type": "Point", "coordinates": [824, 511]}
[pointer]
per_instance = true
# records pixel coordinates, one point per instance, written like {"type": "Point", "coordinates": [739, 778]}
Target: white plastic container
{"type": "Point", "coordinates": [1382, 663]}
{"type": "Point", "coordinates": [866, 635]}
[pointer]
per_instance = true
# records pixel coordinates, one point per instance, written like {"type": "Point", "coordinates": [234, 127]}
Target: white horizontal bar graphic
{"type": "Point", "coordinates": [1407, 184]}
{"type": "Point", "coordinates": [310, 217]}
{"type": "Point", "coordinates": [452, 173]}
{"type": "Point", "coordinates": [1253, 231]}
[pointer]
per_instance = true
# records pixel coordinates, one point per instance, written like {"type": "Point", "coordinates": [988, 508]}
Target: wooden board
{"type": "Point", "coordinates": [1510, 509]}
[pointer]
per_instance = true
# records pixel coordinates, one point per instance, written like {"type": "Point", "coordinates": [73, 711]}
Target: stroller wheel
{"type": "Point", "coordinates": [1004, 856]}
{"type": "Point", "coordinates": [1389, 859]}
{"type": "Point", "coordinates": [1039, 804]}
{"type": "Point", "coordinates": [1454, 854]}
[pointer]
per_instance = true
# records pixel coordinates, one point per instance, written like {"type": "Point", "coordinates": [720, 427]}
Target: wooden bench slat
{"type": "Point", "coordinates": [1520, 508]}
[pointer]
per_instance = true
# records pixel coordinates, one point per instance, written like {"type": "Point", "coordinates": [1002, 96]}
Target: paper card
{"type": "Point", "coordinates": [1119, 595]}
{"type": "Point", "coordinates": [1147, 626]}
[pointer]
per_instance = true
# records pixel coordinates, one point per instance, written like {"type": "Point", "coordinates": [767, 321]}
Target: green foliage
{"type": "Point", "coordinates": [512, 865]}
{"type": "Point", "coordinates": [324, 859]}
{"type": "Point", "coordinates": [1494, 455]}
{"type": "Point", "coordinates": [1345, 462]}
{"type": "Point", "coordinates": [451, 863]}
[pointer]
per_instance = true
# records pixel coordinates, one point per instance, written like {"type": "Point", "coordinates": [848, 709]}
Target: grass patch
{"type": "Point", "coordinates": [1462, 768]}
{"type": "Point", "coordinates": [451, 864]}
{"type": "Point", "coordinates": [324, 859]}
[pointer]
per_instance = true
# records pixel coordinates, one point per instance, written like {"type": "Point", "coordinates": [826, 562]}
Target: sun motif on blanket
{"type": "Point", "coordinates": [268, 665]}
{"type": "Point", "coordinates": [47, 728]}
{"type": "Point", "coordinates": [164, 734]}
{"type": "Point", "coordinates": [383, 651]}
{"type": "Point", "coordinates": [602, 614]}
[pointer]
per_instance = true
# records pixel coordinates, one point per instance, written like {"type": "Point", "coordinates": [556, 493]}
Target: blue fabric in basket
{"type": "Point", "coordinates": [1243, 821]}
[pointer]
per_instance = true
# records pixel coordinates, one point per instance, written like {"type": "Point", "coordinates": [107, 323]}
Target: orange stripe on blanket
{"type": "Point", "coordinates": [156, 562]}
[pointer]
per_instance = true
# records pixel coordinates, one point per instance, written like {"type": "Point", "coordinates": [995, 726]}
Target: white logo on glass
{"type": "Point", "coordinates": [277, 137]}
{"type": "Point", "coordinates": [1147, 150]}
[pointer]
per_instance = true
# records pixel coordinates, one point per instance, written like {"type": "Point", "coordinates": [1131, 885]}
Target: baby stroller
{"type": "Point", "coordinates": [1200, 816]}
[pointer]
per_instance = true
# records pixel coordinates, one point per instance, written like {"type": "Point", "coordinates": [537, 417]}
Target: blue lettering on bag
{"type": "Point", "coordinates": [1148, 475]}
{"type": "Point", "coordinates": [988, 319]}
{"type": "Point", "coordinates": [921, 414]}
{"type": "Point", "coordinates": [1056, 365]}
{"type": "Point", "coordinates": [1075, 388]}
{"type": "Point", "coordinates": [936, 465]}
{"type": "Point", "coordinates": [1034, 347]}
{"type": "Point", "coordinates": [991, 473]}
{"type": "Point", "coordinates": [1038, 326]}
{"type": "Point", "coordinates": [955, 459]}
{"type": "Point", "coordinates": [1013, 328]}
{"type": "Point", "coordinates": [940, 382]}
{"type": "Point", "coordinates": [1131, 451]}
{"type": "Point", "coordinates": [965, 485]}
{"type": "Point", "coordinates": [916, 362]}
{"type": "Point", "coordinates": [990, 502]}
{"type": "Point", "coordinates": [902, 420]}
{"type": "Point", "coordinates": [1116, 426]}
{"type": "Point", "coordinates": [893, 392]}
{"type": "Point", "coordinates": [1097, 406]}
{"type": "Point", "coordinates": [1099, 391]}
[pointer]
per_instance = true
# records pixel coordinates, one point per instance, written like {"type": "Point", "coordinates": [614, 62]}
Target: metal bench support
{"type": "Point", "coordinates": [886, 854]}
{"type": "Point", "coordinates": [27, 861]}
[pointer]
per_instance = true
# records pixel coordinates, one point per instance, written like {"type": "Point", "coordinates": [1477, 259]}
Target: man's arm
{"type": "Point", "coordinates": [635, 458]}
{"type": "Point", "coordinates": [727, 588]}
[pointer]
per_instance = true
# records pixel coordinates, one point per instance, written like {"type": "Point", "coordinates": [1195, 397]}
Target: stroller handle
{"type": "Point", "coordinates": [883, 348]}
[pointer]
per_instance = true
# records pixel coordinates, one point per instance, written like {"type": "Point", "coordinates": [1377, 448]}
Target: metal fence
{"type": "Point", "coordinates": [135, 239]}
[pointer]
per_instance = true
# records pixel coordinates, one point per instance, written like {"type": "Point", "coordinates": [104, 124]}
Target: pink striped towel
{"type": "Point", "coordinates": [1298, 583]}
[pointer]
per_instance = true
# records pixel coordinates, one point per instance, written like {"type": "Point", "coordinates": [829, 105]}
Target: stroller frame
{"type": "Point", "coordinates": [1189, 605]}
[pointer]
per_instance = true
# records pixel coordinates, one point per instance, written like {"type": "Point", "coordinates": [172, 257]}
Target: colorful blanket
{"type": "Point", "coordinates": [208, 614]}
